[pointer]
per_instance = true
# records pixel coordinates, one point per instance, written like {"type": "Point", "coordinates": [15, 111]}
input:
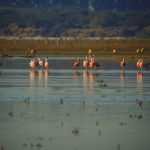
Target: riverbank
{"type": "Point", "coordinates": [15, 46]}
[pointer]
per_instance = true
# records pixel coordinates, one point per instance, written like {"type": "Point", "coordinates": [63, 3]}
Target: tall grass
{"type": "Point", "coordinates": [73, 46]}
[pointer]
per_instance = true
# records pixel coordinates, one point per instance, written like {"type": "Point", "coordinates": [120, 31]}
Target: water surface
{"type": "Point", "coordinates": [73, 110]}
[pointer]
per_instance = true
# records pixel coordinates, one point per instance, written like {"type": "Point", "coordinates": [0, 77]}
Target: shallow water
{"type": "Point", "coordinates": [62, 109]}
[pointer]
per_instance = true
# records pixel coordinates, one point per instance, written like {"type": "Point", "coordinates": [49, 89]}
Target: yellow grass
{"type": "Point", "coordinates": [76, 46]}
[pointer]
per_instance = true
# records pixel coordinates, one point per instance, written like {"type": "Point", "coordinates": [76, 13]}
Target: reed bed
{"type": "Point", "coordinates": [73, 46]}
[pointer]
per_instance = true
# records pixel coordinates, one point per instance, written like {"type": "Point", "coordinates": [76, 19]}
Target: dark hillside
{"type": "Point", "coordinates": [94, 18]}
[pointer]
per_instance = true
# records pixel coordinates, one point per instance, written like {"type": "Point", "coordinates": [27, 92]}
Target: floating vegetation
{"type": "Point", "coordinates": [75, 131]}
{"type": "Point", "coordinates": [1, 147]}
{"type": "Point", "coordinates": [67, 114]}
{"type": "Point", "coordinates": [31, 145]}
{"type": "Point", "coordinates": [140, 116]}
{"type": "Point", "coordinates": [39, 145]}
{"type": "Point", "coordinates": [118, 147]}
{"type": "Point", "coordinates": [50, 139]}
{"type": "Point", "coordinates": [99, 133]}
{"type": "Point", "coordinates": [122, 123]}
{"type": "Point", "coordinates": [27, 101]}
{"type": "Point", "coordinates": [11, 114]}
{"type": "Point", "coordinates": [139, 102]}
{"type": "Point", "coordinates": [24, 145]}
{"type": "Point", "coordinates": [61, 101]}
{"type": "Point", "coordinates": [97, 123]}
{"type": "Point", "coordinates": [101, 83]}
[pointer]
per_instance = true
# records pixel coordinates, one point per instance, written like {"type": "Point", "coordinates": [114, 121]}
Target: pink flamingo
{"type": "Point", "coordinates": [141, 64]}
{"type": "Point", "coordinates": [89, 51]}
{"type": "Point", "coordinates": [36, 62]}
{"type": "Point", "coordinates": [123, 63]}
{"type": "Point", "coordinates": [47, 65]}
{"type": "Point", "coordinates": [32, 64]}
{"type": "Point", "coordinates": [86, 63]}
{"type": "Point", "coordinates": [41, 62]}
{"type": "Point", "coordinates": [77, 63]}
{"type": "Point", "coordinates": [92, 63]}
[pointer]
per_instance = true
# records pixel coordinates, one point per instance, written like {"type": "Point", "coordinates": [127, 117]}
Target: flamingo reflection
{"type": "Point", "coordinates": [122, 80]}
{"type": "Point", "coordinates": [140, 77]}
{"type": "Point", "coordinates": [76, 74]}
{"type": "Point", "coordinates": [85, 81]}
{"type": "Point", "coordinates": [33, 74]}
{"type": "Point", "coordinates": [92, 77]}
{"type": "Point", "coordinates": [41, 75]}
{"type": "Point", "coordinates": [47, 74]}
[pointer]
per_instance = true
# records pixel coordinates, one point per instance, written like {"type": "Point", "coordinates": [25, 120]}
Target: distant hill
{"type": "Point", "coordinates": [84, 18]}
{"type": "Point", "coordinates": [120, 5]}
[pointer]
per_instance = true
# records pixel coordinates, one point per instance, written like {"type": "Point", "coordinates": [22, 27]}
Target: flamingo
{"type": "Point", "coordinates": [41, 62]}
{"type": "Point", "coordinates": [36, 62]}
{"type": "Point", "coordinates": [47, 65]}
{"type": "Point", "coordinates": [77, 63]}
{"type": "Point", "coordinates": [92, 63]}
{"type": "Point", "coordinates": [137, 51]}
{"type": "Point", "coordinates": [123, 63]}
{"type": "Point", "coordinates": [89, 51]}
{"type": "Point", "coordinates": [32, 63]}
{"type": "Point", "coordinates": [86, 63]}
{"type": "Point", "coordinates": [33, 52]}
{"type": "Point", "coordinates": [141, 64]}
{"type": "Point", "coordinates": [142, 50]}
{"type": "Point", "coordinates": [114, 51]}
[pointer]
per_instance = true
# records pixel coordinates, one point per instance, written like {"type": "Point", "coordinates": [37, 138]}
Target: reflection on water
{"type": "Point", "coordinates": [72, 85]}
{"type": "Point", "coordinates": [41, 75]}
{"type": "Point", "coordinates": [85, 81]}
{"type": "Point", "coordinates": [122, 83]}
{"type": "Point", "coordinates": [89, 82]}
{"type": "Point", "coordinates": [140, 77]}
{"type": "Point", "coordinates": [76, 74]}
{"type": "Point", "coordinates": [41, 82]}
{"type": "Point", "coordinates": [33, 74]}
{"type": "Point", "coordinates": [92, 78]}
{"type": "Point", "coordinates": [52, 125]}
{"type": "Point", "coordinates": [47, 75]}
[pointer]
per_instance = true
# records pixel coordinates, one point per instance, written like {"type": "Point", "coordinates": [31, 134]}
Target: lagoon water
{"type": "Point", "coordinates": [65, 109]}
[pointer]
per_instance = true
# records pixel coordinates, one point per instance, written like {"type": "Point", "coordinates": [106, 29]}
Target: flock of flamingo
{"type": "Point", "coordinates": [34, 63]}
{"type": "Point", "coordinates": [88, 62]}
